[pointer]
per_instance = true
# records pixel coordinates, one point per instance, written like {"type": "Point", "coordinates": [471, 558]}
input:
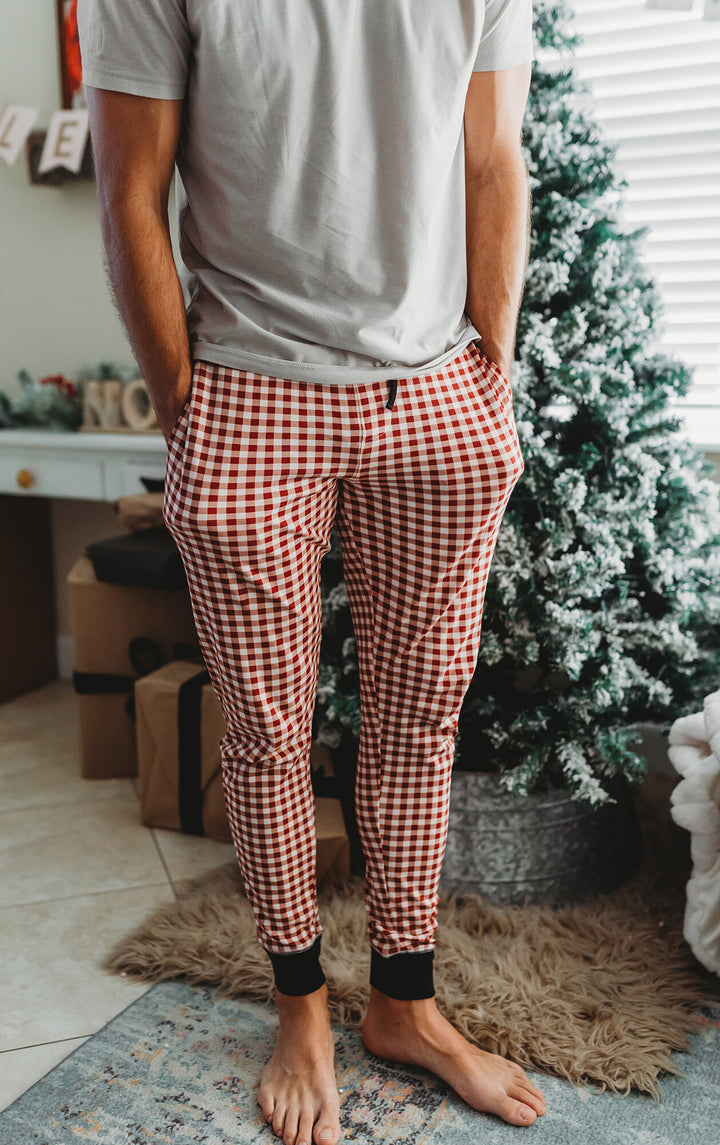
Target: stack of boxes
{"type": "Point", "coordinates": [146, 705]}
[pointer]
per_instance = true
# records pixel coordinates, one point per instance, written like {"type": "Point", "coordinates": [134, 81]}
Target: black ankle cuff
{"type": "Point", "coordinates": [403, 976]}
{"type": "Point", "coordinates": [299, 972]}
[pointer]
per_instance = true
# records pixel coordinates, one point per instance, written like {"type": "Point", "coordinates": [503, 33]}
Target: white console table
{"type": "Point", "coordinates": [80, 475]}
{"type": "Point", "coordinates": [84, 466]}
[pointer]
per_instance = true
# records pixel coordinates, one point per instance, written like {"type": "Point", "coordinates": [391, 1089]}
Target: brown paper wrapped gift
{"type": "Point", "coordinates": [333, 844]}
{"type": "Point", "coordinates": [179, 728]}
{"type": "Point", "coordinates": [140, 511]}
{"type": "Point", "coordinates": [180, 780]}
{"type": "Point", "coordinates": [108, 620]}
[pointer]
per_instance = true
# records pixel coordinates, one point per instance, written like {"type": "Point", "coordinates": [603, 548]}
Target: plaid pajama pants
{"type": "Point", "coordinates": [258, 471]}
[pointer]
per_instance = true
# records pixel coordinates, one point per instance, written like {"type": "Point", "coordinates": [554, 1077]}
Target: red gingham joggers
{"type": "Point", "coordinates": [257, 468]}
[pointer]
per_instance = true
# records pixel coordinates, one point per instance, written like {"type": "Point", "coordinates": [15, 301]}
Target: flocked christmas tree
{"type": "Point", "coordinates": [603, 603]}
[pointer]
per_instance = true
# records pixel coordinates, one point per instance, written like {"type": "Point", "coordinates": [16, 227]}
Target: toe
{"type": "Point", "coordinates": [327, 1130]}
{"type": "Point", "coordinates": [536, 1102]}
{"type": "Point", "coordinates": [278, 1120]}
{"type": "Point", "coordinates": [290, 1130]}
{"type": "Point", "coordinates": [522, 1079]}
{"type": "Point", "coordinates": [526, 1114]}
{"type": "Point", "coordinates": [304, 1135]}
{"type": "Point", "coordinates": [527, 1093]}
{"type": "Point", "coordinates": [533, 1089]}
{"type": "Point", "coordinates": [516, 1112]}
{"type": "Point", "coordinates": [267, 1104]}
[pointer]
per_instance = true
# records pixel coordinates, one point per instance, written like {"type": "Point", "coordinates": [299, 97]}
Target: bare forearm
{"type": "Point", "coordinates": [497, 222]}
{"type": "Point", "coordinates": [149, 298]}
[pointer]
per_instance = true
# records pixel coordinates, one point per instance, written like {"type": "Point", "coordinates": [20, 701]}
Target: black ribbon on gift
{"type": "Point", "coordinates": [145, 656]}
{"type": "Point", "coordinates": [190, 789]}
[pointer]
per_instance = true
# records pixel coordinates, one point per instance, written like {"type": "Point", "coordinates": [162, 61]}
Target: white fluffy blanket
{"type": "Point", "coordinates": [695, 754]}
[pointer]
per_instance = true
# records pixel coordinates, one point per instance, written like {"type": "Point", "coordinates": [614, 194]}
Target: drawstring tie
{"type": "Point", "coordinates": [392, 393]}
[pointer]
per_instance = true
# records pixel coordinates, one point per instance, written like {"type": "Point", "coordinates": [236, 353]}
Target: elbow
{"type": "Point", "coordinates": [509, 166]}
{"type": "Point", "coordinates": [123, 206]}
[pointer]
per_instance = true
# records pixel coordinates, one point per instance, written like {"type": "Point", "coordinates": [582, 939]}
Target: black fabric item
{"type": "Point", "coordinates": [298, 973]}
{"type": "Point", "coordinates": [324, 786]}
{"type": "Point", "coordinates": [147, 559]}
{"type": "Point", "coordinates": [190, 790]}
{"type": "Point", "coordinates": [344, 759]}
{"type": "Point", "coordinates": [101, 683]}
{"type": "Point", "coordinates": [403, 976]}
{"type": "Point", "coordinates": [392, 393]}
{"type": "Point", "coordinates": [184, 651]}
{"type": "Point", "coordinates": [153, 484]}
{"type": "Point", "coordinates": [145, 655]}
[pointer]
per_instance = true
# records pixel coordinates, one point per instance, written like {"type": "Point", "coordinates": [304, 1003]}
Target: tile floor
{"type": "Point", "coordinates": [78, 870]}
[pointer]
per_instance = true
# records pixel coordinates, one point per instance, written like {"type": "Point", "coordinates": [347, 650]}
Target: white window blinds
{"type": "Point", "coordinates": [655, 80]}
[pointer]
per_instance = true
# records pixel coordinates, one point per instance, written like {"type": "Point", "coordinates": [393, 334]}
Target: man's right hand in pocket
{"type": "Point", "coordinates": [168, 407]}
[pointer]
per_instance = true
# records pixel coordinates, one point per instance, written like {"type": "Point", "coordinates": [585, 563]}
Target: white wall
{"type": "Point", "coordinates": [55, 312]}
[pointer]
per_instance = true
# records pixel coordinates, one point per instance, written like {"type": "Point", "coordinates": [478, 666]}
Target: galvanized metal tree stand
{"type": "Point", "coordinates": [539, 848]}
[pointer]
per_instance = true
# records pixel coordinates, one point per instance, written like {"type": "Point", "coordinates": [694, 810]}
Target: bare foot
{"type": "Point", "coordinates": [298, 1092]}
{"type": "Point", "coordinates": [416, 1033]}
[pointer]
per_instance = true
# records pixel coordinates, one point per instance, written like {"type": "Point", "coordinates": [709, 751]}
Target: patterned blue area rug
{"type": "Point", "coordinates": [181, 1066]}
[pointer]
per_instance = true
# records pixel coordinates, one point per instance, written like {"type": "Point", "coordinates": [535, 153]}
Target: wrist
{"type": "Point", "coordinates": [500, 357]}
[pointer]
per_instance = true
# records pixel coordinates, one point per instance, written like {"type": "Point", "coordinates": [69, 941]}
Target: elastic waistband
{"type": "Point", "coordinates": [327, 373]}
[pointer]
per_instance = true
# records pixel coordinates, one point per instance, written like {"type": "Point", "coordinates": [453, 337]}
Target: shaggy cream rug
{"type": "Point", "coordinates": [601, 993]}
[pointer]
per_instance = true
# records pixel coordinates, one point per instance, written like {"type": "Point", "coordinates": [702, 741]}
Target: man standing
{"type": "Point", "coordinates": [353, 219]}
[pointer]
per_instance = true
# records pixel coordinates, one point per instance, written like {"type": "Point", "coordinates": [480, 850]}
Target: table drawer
{"type": "Point", "coordinates": [134, 471]}
{"type": "Point", "coordinates": [30, 474]}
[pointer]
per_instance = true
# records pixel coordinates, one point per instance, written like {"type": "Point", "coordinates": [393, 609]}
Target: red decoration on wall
{"type": "Point", "coordinates": [73, 62]}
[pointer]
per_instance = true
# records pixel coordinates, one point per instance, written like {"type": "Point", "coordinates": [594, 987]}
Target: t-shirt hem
{"type": "Point", "coordinates": [510, 59]}
{"type": "Point", "coordinates": [108, 80]}
{"type": "Point", "coordinates": [324, 373]}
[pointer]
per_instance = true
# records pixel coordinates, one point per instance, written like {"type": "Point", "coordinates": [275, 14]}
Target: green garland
{"type": "Point", "coordinates": [54, 402]}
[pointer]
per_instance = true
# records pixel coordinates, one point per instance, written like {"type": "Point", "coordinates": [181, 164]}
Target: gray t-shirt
{"type": "Point", "coordinates": [320, 184]}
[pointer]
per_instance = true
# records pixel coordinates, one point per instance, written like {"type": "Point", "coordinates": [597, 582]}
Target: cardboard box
{"type": "Point", "coordinates": [179, 728]}
{"type": "Point", "coordinates": [141, 511]}
{"type": "Point", "coordinates": [170, 797]}
{"type": "Point", "coordinates": [107, 621]}
{"type": "Point", "coordinates": [333, 844]}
